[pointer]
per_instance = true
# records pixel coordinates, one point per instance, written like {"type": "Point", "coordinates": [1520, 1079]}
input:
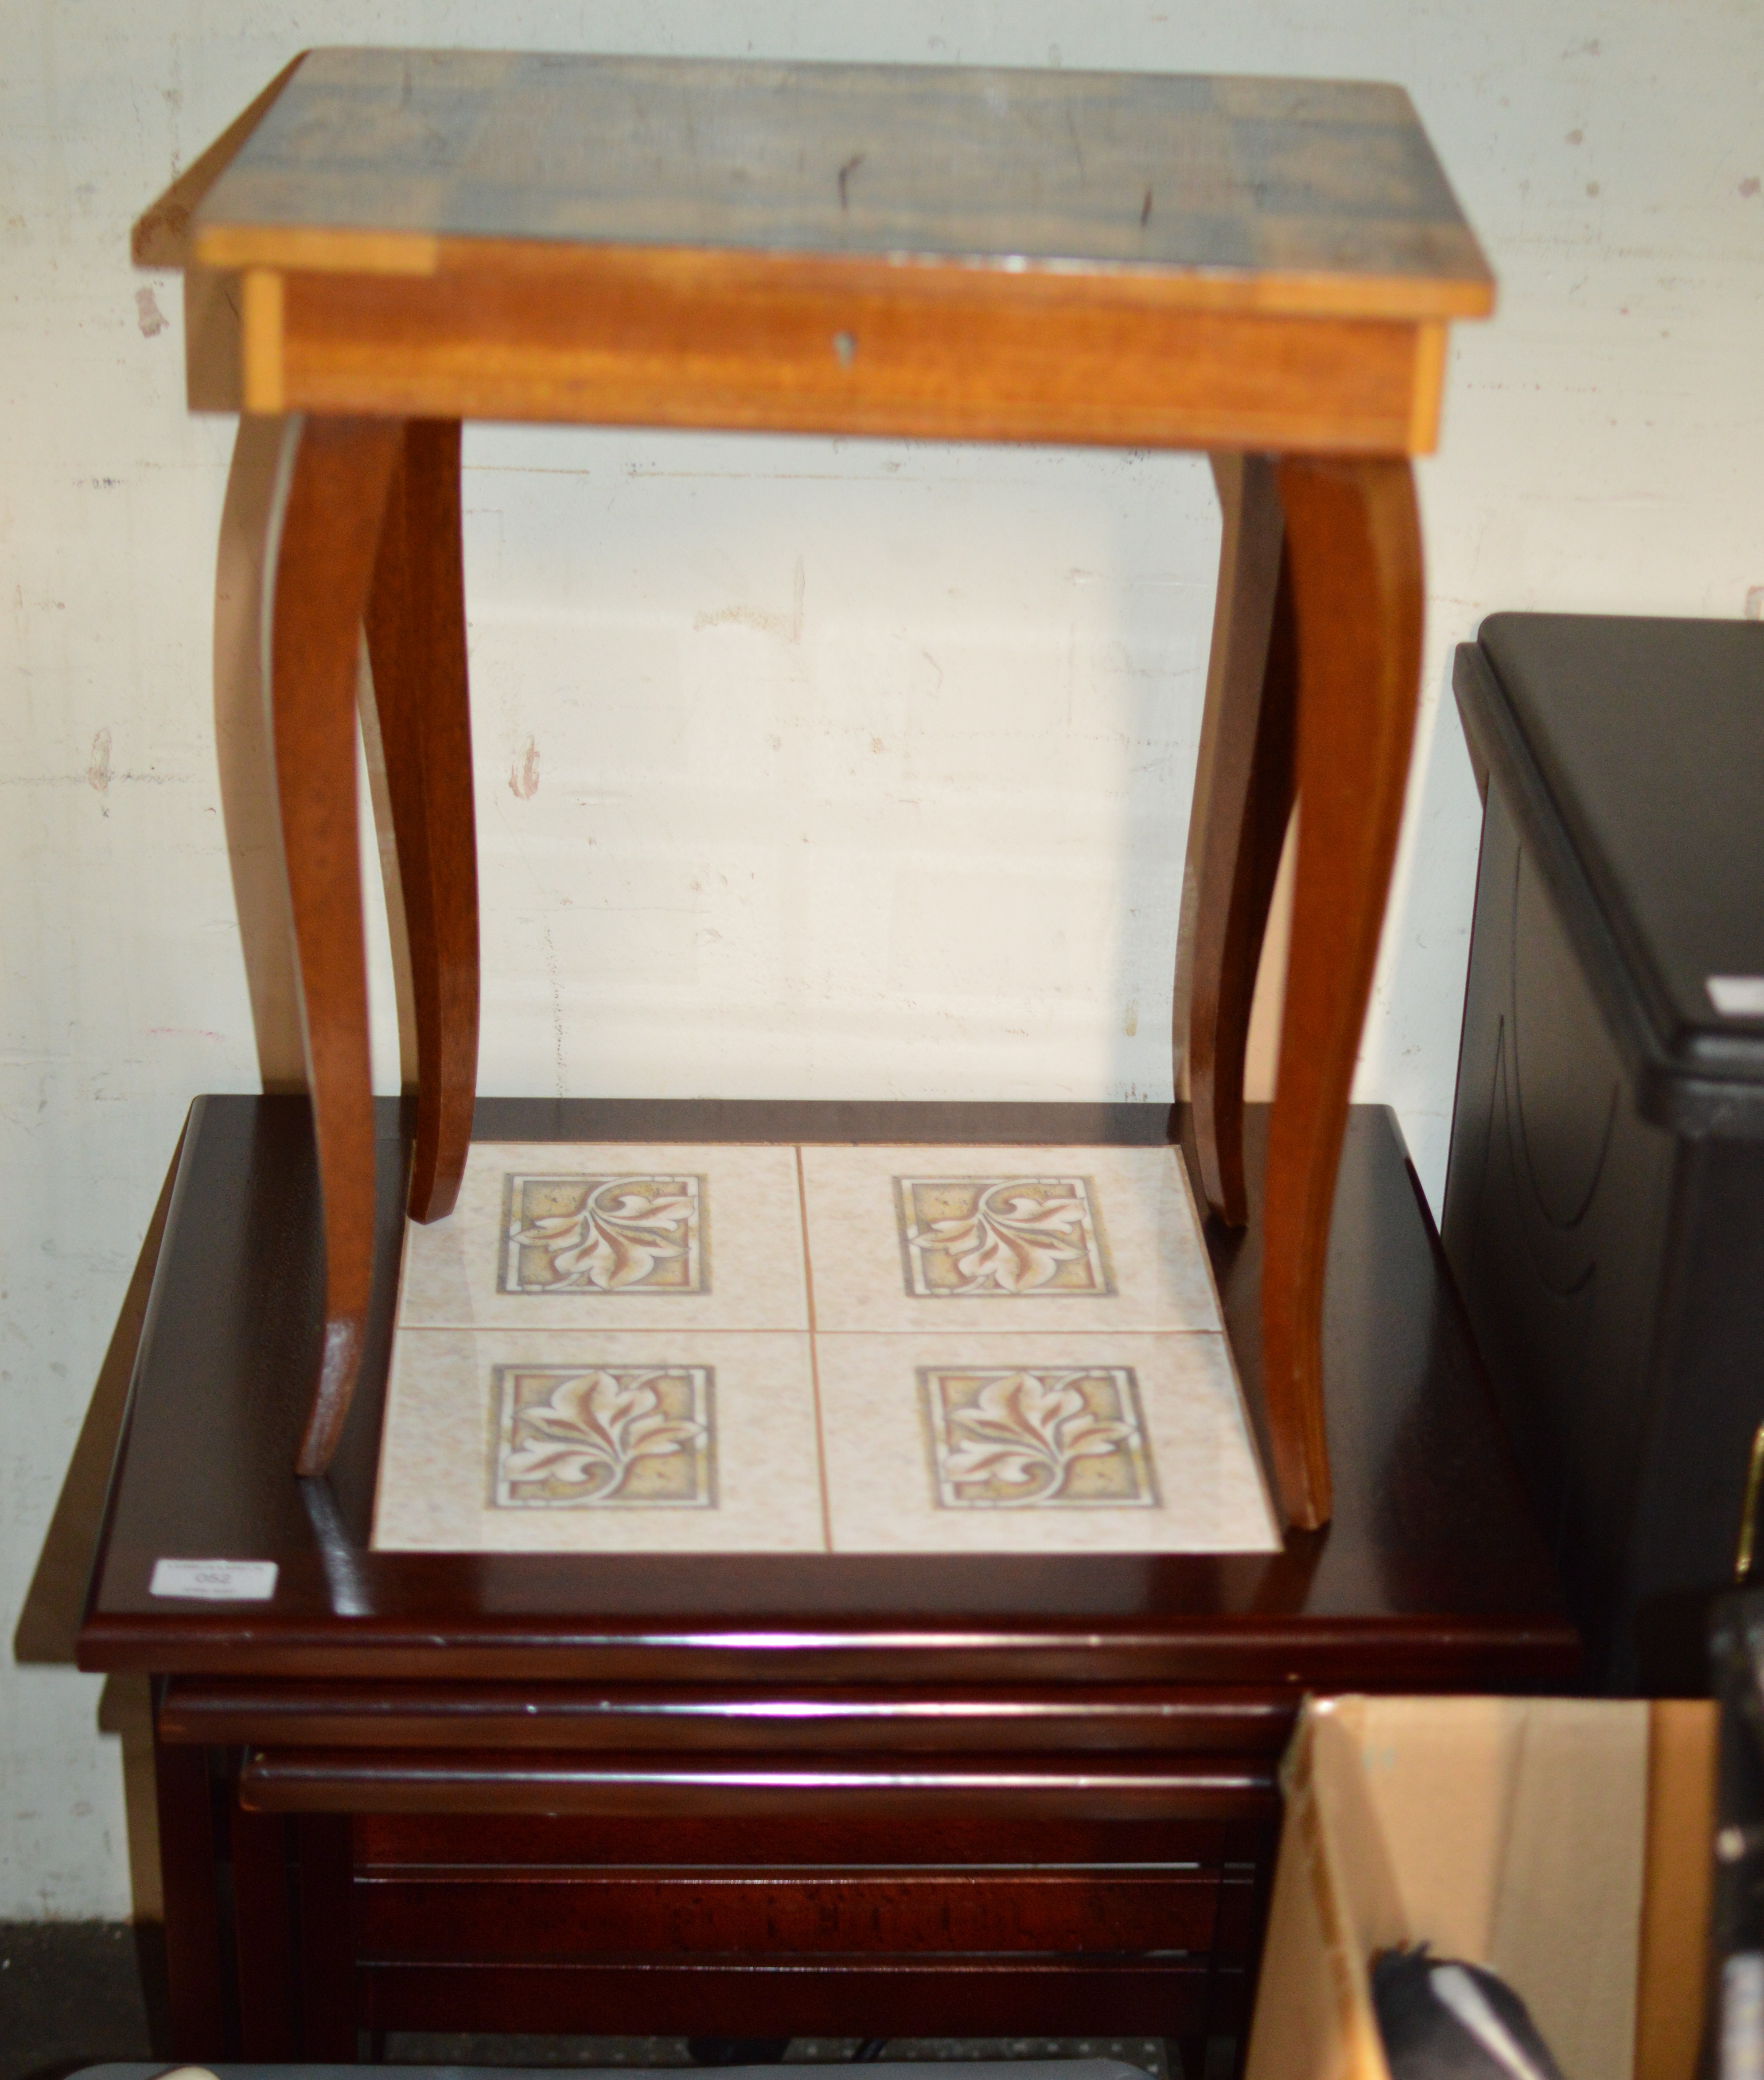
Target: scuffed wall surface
{"type": "Point", "coordinates": [830, 769]}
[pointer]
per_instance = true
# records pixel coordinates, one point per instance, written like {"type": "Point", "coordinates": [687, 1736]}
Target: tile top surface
{"type": "Point", "coordinates": [1177, 173]}
{"type": "Point", "coordinates": [619, 1347]}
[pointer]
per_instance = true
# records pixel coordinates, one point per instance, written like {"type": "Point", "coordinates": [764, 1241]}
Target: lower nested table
{"type": "Point", "coordinates": [756, 1794]}
{"type": "Point", "coordinates": [1263, 269]}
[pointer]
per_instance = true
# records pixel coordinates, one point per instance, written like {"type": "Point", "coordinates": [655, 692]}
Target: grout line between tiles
{"type": "Point", "coordinates": [814, 1357]}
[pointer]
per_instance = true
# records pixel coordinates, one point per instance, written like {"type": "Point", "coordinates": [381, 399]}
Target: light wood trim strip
{"type": "Point", "coordinates": [1429, 386]}
{"type": "Point", "coordinates": [314, 246]}
{"type": "Point", "coordinates": [264, 317]}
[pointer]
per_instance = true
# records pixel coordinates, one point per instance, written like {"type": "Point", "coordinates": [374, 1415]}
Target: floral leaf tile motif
{"type": "Point", "coordinates": [604, 1442]}
{"type": "Point", "coordinates": [602, 1437]}
{"type": "Point", "coordinates": [619, 1234]}
{"type": "Point", "coordinates": [1023, 1240]}
{"type": "Point", "coordinates": [615, 1238]}
{"type": "Point", "coordinates": [967, 1439]}
{"type": "Point", "coordinates": [1045, 1438]}
{"type": "Point", "coordinates": [979, 1237]}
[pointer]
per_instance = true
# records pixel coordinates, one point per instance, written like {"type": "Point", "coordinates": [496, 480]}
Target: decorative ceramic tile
{"type": "Point", "coordinates": [619, 1236]}
{"type": "Point", "coordinates": [631, 1437]}
{"type": "Point", "coordinates": [1005, 1240]}
{"type": "Point", "coordinates": [1037, 1443]}
{"type": "Point", "coordinates": [969, 1238]}
{"type": "Point", "coordinates": [562, 1233]}
{"type": "Point", "coordinates": [1063, 1437]}
{"type": "Point", "coordinates": [657, 1441]}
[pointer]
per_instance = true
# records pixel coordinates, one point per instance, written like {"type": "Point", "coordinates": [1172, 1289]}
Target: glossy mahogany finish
{"type": "Point", "coordinates": [960, 1793]}
{"type": "Point", "coordinates": [837, 1720]}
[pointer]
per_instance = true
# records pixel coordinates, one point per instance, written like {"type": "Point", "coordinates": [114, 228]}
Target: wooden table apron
{"type": "Point", "coordinates": [854, 291]}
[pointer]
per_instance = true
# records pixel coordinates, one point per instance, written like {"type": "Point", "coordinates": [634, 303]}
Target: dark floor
{"type": "Point", "coordinates": [73, 1993]}
{"type": "Point", "coordinates": [80, 1993]}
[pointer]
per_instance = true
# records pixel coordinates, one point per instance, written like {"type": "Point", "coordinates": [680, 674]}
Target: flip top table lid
{"type": "Point", "coordinates": [1632, 751]}
{"type": "Point", "coordinates": [1274, 195]}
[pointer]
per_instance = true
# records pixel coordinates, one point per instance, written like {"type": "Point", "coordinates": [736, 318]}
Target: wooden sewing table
{"type": "Point", "coordinates": [771, 1794]}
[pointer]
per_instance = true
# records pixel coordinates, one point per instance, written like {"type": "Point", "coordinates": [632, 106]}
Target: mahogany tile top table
{"type": "Point", "coordinates": [759, 1793]}
{"type": "Point", "coordinates": [1263, 269]}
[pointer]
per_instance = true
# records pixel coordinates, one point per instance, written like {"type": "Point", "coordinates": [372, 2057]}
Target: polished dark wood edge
{"type": "Point", "coordinates": [1433, 1573]}
{"type": "Point", "coordinates": [469, 1781]}
{"type": "Point", "coordinates": [223, 1712]}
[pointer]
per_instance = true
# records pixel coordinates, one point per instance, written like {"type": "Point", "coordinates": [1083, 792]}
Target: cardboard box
{"type": "Point", "coordinates": [1564, 1842]}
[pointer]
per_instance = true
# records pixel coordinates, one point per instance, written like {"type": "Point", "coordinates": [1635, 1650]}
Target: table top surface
{"type": "Point", "coordinates": [1314, 195]}
{"type": "Point", "coordinates": [1432, 1573]}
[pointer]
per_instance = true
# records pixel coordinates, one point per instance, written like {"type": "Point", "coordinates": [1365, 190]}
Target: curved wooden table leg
{"type": "Point", "coordinates": [416, 636]}
{"type": "Point", "coordinates": [1354, 538]}
{"type": "Point", "coordinates": [1243, 801]}
{"type": "Point", "coordinates": [325, 527]}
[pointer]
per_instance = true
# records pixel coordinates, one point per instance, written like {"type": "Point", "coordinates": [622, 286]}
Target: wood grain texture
{"type": "Point", "coordinates": [1243, 795]}
{"type": "Point", "coordinates": [416, 639]}
{"type": "Point", "coordinates": [1282, 194]}
{"type": "Point", "coordinates": [1354, 541]}
{"type": "Point", "coordinates": [622, 336]}
{"type": "Point", "coordinates": [324, 532]}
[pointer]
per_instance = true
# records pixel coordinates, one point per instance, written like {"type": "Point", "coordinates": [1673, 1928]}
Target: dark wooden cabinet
{"type": "Point", "coordinates": [760, 1794]}
{"type": "Point", "coordinates": [1605, 1202]}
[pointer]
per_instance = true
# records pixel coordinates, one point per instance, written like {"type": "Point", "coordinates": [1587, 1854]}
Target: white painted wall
{"type": "Point", "coordinates": [861, 770]}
